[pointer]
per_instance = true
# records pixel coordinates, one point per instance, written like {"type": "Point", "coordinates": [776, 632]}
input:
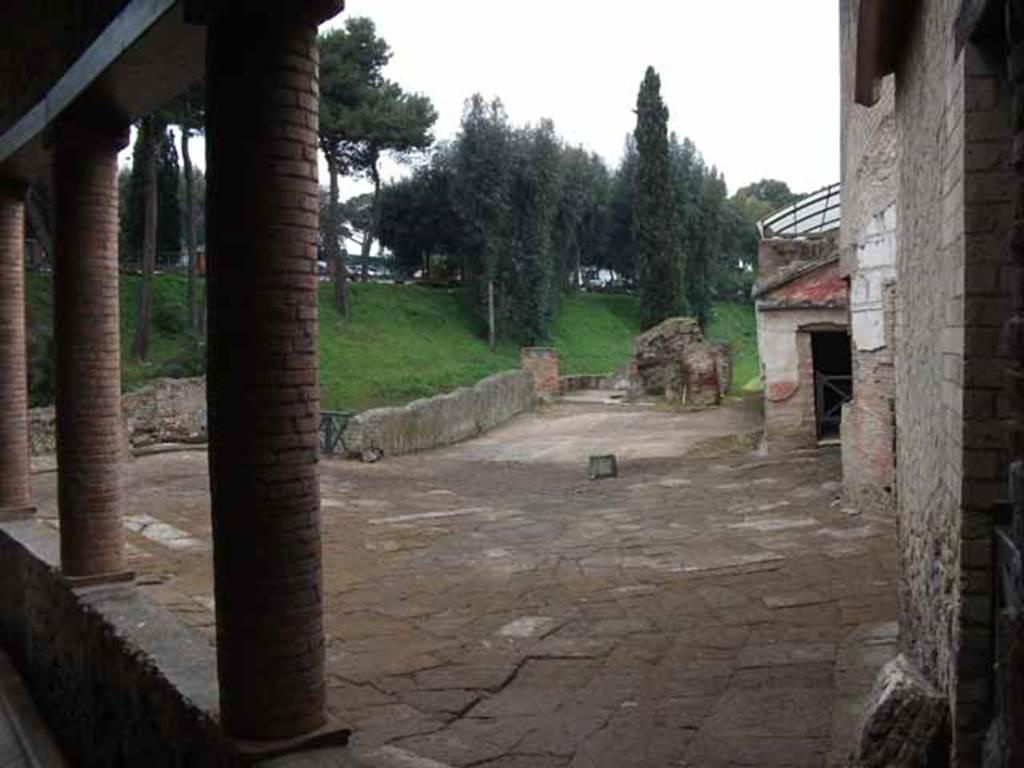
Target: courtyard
{"type": "Point", "coordinates": [488, 604]}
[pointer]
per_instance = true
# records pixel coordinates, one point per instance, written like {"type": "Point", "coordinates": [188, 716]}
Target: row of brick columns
{"type": "Point", "coordinates": [262, 213]}
{"type": "Point", "coordinates": [15, 489]}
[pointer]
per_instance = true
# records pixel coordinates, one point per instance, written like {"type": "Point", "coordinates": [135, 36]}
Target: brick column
{"type": "Point", "coordinates": [542, 363]}
{"type": "Point", "coordinates": [262, 214]}
{"type": "Point", "coordinates": [15, 487]}
{"type": "Point", "coordinates": [87, 340]}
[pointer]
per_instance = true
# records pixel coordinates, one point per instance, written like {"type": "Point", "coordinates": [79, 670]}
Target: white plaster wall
{"type": "Point", "coordinates": [776, 339]}
{"type": "Point", "coordinates": [875, 267]}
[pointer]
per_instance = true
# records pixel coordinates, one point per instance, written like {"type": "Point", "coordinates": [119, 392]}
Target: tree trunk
{"type": "Point", "coordinates": [490, 314]}
{"type": "Point", "coordinates": [190, 228]}
{"type": "Point", "coordinates": [140, 347]}
{"type": "Point", "coordinates": [374, 221]}
{"type": "Point", "coordinates": [579, 263]}
{"type": "Point", "coordinates": [335, 254]}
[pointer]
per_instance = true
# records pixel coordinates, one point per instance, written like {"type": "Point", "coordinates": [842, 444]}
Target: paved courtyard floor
{"type": "Point", "coordinates": [489, 605]}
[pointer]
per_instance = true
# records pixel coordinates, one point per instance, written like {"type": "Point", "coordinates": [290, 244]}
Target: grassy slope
{"type": "Point", "coordinates": [735, 323]}
{"type": "Point", "coordinates": [406, 342]}
{"type": "Point", "coordinates": [167, 337]}
{"type": "Point", "coordinates": [403, 342]}
{"type": "Point", "coordinates": [594, 332]}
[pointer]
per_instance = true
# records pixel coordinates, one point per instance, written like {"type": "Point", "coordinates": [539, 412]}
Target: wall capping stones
{"type": "Point", "coordinates": [441, 420]}
{"type": "Point", "coordinates": [119, 680]}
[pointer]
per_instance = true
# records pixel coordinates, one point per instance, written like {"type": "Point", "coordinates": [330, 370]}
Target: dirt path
{"type": "Point", "coordinates": [489, 605]}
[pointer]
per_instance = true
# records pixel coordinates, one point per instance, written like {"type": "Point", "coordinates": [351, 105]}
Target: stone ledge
{"type": "Point", "coordinates": [120, 680]}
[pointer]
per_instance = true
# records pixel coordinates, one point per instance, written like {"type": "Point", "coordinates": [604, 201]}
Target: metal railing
{"type": "Point", "coordinates": [832, 392]}
{"type": "Point", "coordinates": [332, 431]}
{"type": "Point", "coordinates": [816, 213]}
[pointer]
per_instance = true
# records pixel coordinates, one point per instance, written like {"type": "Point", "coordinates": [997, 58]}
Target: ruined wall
{"type": "Point", "coordinates": [543, 365]}
{"type": "Point", "coordinates": [867, 248]}
{"type": "Point", "coordinates": [673, 360]}
{"type": "Point", "coordinates": [164, 411]}
{"type": "Point", "coordinates": [119, 681]}
{"type": "Point", "coordinates": [953, 218]}
{"type": "Point", "coordinates": [442, 420]}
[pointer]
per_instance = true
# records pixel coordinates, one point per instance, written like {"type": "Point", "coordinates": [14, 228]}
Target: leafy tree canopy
{"type": "Point", "coordinates": [654, 219]}
{"type": "Point", "coordinates": [763, 197]}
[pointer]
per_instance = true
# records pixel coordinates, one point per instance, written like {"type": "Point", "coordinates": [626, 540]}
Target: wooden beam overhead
{"type": "Point", "coordinates": [146, 56]}
{"type": "Point", "coordinates": [881, 27]}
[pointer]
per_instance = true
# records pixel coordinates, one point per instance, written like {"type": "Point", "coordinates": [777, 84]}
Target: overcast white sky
{"type": "Point", "coordinates": [754, 83]}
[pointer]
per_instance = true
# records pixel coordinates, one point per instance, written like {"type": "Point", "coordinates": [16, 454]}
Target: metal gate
{"type": "Point", "coordinates": [831, 391]}
{"type": "Point", "coordinates": [332, 430]}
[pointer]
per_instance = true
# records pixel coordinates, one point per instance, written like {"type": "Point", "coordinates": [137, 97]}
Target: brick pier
{"type": "Point", "coordinates": [87, 365]}
{"type": "Point", "coordinates": [262, 103]}
{"type": "Point", "coordinates": [15, 488]}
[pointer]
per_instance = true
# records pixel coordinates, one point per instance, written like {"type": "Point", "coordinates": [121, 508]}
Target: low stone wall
{"type": "Point", "coordinates": [164, 411]}
{"type": "Point", "coordinates": [580, 382]}
{"type": "Point", "coordinates": [118, 680]}
{"type": "Point", "coordinates": [442, 420]}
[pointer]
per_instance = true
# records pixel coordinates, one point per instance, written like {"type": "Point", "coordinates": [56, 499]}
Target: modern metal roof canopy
{"type": "Point", "coordinates": [145, 56]}
{"type": "Point", "coordinates": [816, 213]}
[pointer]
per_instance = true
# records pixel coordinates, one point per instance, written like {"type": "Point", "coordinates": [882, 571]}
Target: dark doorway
{"type": "Point", "coordinates": [833, 382]}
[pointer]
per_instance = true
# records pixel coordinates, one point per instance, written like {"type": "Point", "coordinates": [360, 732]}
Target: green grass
{"type": "Point", "coordinates": [594, 332]}
{"type": "Point", "coordinates": [168, 341]}
{"type": "Point", "coordinates": [405, 342]}
{"type": "Point", "coordinates": [735, 322]}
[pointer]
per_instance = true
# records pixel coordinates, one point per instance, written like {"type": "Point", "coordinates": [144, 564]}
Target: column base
{"type": "Point", "coordinates": [16, 513]}
{"type": "Point", "coordinates": [99, 579]}
{"type": "Point", "coordinates": [331, 735]}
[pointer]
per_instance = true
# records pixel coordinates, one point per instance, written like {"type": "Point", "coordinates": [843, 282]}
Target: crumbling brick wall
{"type": "Point", "coordinates": [673, 360]}
{"type": "Point", "coordinates": [867, 248]}
{"type": "Point", "coordinates": [164, 411]}
{"type": "Point", "coordinates": [954, 215]}
{"type": "Point", "coordinates": [542, 364]}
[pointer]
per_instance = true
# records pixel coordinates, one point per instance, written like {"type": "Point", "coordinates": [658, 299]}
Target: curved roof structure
{"type": "Point", "coordinates": [811, 215]}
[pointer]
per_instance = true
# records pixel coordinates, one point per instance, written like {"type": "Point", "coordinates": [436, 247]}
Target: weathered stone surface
{"type": "Point", "coordinates": [903, 715]}
{"type": "Point", "coordinates": [120, 681]}
{"type": "Point", "coordinates": [468, 585]}
{"type": "Point", "coordinates": [947, 241]}
{"type": "Point", "coordinates": [673, 360]}
{"type": "Point", "coordinates": [543, 365]}
{"type": "Point", "coordinates": [164, 411]}
{"type": "Point", "coordinates": [442, 420]}
{"type": "Point", "coordinates": [615, 382]}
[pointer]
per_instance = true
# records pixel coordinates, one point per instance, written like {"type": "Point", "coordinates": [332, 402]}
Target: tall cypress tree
{"type": "Point", "coordinates": [658, 276]}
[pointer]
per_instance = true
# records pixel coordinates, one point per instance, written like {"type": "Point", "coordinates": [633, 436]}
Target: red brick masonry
{"type": "Point", "coordinates": [262, 101]}
{"type": "Point", "coordinates": [88, 349]}
{"type": "Point", "coordinates": [15, 488]}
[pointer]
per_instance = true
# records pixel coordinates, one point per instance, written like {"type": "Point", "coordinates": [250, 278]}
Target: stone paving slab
{"type": "Point", "coordinates": [489, 605]}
